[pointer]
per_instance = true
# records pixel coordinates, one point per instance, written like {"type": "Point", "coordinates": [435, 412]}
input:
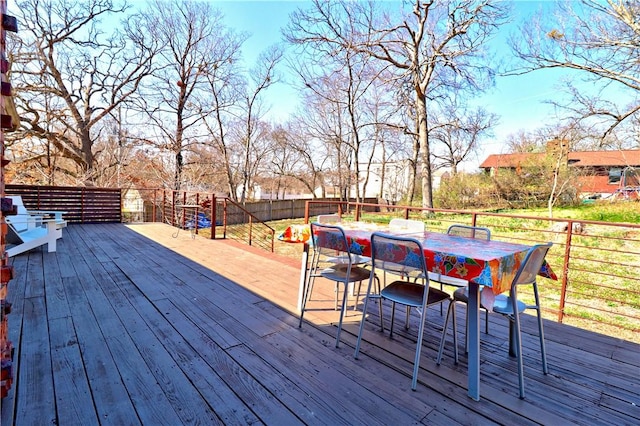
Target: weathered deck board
{"type": "Point", "coordinates": [127, 325]}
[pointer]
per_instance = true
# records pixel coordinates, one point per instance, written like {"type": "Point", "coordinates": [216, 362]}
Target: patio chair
{"type": "Point", "coordinates": [465, 231]}
{"type": "Point", "coordinates": [330, 243]}
{"type": "Point", "coordinates": [405, 226]}
{"type": "Point", "coordinates": [408, 225]}
{"type": "Point", "coordinates": [404, 252]}
{"type": "Point", "coordinates": [23, 220]}
{"type": "Point", "coordinates": [29, 219]}
{"type": "Point", "coordinates": [329, 219]}
{"type": "Point", "coordinates": [503, 305]}
{"type": "Point", "coordinates": [21, 241]}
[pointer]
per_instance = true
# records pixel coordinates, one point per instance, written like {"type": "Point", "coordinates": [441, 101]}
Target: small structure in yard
{"type": "Point", "coordinates": [132, 206]}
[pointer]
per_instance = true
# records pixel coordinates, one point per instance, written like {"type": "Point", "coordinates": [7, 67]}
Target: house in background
{"type": "Point", "coordinates": [397, 180]}
{"type": "Point", "coordinates": [602, 173]}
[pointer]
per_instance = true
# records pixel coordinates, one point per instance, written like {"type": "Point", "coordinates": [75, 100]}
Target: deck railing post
{"type": "Point", "coordinates": [195, 218]}
{"type": "Point", "coordinates": [164, 206]}
{"type": "Point", "coordinates": [213, 216]}
{"type": "Point", "coordinates": [307, 207]}
{"type": "Point", "coordinates": [173, 208]}
{"type": "Point", "coordinates": [565, 271]}
{"type": "Point", "coordinates": [153, 206]}
{"type": "Point", "coordinates": [224, 219]}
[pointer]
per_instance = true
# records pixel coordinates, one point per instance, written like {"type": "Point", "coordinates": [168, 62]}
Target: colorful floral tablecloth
{"type": "Point", "coordinates": [489, 263]}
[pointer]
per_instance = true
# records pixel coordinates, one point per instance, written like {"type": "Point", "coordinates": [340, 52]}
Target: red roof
{"type": "Point", "coordinates": [622, 158]}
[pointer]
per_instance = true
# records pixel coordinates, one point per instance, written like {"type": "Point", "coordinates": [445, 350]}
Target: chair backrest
{"type": "Point", "coordinates": [408, 225]}
{"type": "Point", "coordinates": [395, 252]}
{"type": "Point", "coordinates": [466, 231]}
{"type": "Point", "coordinates": [329, 218]}
{"type": "Point", "coordinates": [329, 239]}
{"type": "Point", "coordinates": [17, 201]}
{"type": "Point", "coordinates": [530, 266]}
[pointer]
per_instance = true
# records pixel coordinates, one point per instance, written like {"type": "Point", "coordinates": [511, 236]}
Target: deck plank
{"type": "Point", "coordinates": [128, 325]}
{"type": "Point", "coordinates": [152, 378]}
{"type": "Point", "coordinates": [35, 401]}
{"type": "Point", "coordinates": [74, 402]}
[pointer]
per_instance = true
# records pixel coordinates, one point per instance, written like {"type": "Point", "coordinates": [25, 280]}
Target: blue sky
{"type": "Point", "coordinates": [517, 100]}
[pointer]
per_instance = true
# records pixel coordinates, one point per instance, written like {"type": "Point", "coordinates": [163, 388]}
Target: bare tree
{"type": "Point", "coordinates": [195, 44]}
{"type": "Point", "coordinates": [348, 90]}
{"type": "Point", "coordinates": [421, 44]}
{"type": "Point", "coordinates": [458, 132]}
{"type": "Point", "coordinates": [232, 118]}
{"type": "Point", "coordinates": [296, 156]}
{"type": "Point", "coordinates": [70, 75]}
{"type": "Point", "coordinates": [262, 76]}
{"type": "Point", "coordinates": [600, 40]}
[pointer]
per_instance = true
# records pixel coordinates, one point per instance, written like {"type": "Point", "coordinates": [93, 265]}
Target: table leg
{"type": "Point", "coordinates": [474, 341]}
{"type": "Point", "coordinates": [303, 275]}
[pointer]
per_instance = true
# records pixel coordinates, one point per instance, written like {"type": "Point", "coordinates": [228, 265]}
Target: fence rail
{"type": "Point", "coordinates": [82, 205]}
{"type": "Point", "coordinates": [228, 219]}
{"type": "Point", "coordinates": [597, 263]}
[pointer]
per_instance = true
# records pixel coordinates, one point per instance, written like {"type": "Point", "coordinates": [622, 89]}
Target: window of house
{"type": "Point", "coordinates": [615, 173]}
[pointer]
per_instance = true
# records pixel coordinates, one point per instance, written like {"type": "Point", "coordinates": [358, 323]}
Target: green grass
{"type": "Point", "coordinates": [602, 211]}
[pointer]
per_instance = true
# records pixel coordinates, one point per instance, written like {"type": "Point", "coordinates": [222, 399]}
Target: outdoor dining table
{"type": "Point", "coordinates": [487, 265]}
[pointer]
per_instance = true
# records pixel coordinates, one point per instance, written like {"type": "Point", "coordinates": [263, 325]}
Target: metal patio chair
{"type": "Point", "coordinates": [393, 251]}
{"type": "Point", "coordinates": [330, 243]}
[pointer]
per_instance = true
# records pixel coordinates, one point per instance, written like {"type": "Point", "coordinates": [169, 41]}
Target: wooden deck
{"type": "Point", "coordinates": [126, 325]}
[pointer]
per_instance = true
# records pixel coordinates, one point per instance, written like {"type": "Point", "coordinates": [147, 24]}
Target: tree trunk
{"type": "Point", "coordinates": [425, 160]}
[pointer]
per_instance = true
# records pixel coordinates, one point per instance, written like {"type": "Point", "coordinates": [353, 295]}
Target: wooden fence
{"type": "Point", "coordinates": [82, 205]}
{"type": "Point", "coordinates": [291, 209]}
{"type": "Point", "coordinates": [158, 204]}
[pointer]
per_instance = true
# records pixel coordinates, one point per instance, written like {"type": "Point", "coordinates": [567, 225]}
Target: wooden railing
{"type": "Point", "coordinates": [81, 204]}
{"type": "Point", "coordinates": [597, 263]}
{"type": "Point", "coordinates": [228, 218]}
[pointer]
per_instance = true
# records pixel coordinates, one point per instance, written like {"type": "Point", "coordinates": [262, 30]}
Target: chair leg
{"type": "Point", "coordinates": [406, 318]}
{"type": "Point", "coordinates": [451, 311]}
{"type": "Point", "coordinates": [455, 332]}
{"type": "Point", "coordinates": [355, 307]}
{"type": "Point", "coordinates": [342, 309]}
{"type": "Point", "coordinates": [543, 352]}
{"type": "Point", "coordinates": [518, 349]}
{"type": "Point", "coordinates": [306, 294]}
{"type": "Point", "coordinates": [486, 321]}
{"type": "Point", "coordinates": [364, 317]}
{"type": "Point", "coordinates": [381, 319]}
{"type": "Point", "coordinates": [416, 361]}
{"type": "Point", "coordinates": [393, 315]}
